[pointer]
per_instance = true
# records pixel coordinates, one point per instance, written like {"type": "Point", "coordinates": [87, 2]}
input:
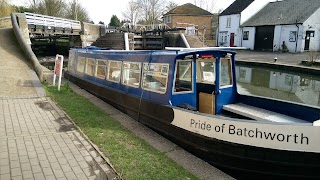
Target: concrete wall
{"type": "Point", "coordinates": [173, 40]}
{"type": "Point", "coordinates": [196, 20]}
{"type": "Point", "coordinates": [43, 73]}
{"type": "Point", "coordinates": [282, 34]}
{"type": "Point", "coordinates": [250, 42]}
{"type": "Point", "coordinates": [313, 24]}
{"type": "Point", "coordinates": [5, 22]}
{"type": "Point", "coordinates": [91, 32]}
{"type": "Point", "coordinates": [234, 28]}
{"type": "Point", "coordinates": [22, 22]}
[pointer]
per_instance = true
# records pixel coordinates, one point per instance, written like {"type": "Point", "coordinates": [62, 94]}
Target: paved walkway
{"type": "Point", "coordinates": [37, 140]}
{"type": "Point", "coordinates": [282, 58]}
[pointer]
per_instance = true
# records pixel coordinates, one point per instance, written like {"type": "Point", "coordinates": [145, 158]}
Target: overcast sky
{"type": "Point", "coordinates": [102, 10]}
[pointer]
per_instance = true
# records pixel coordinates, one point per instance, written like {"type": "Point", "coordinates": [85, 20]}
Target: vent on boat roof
{"type": "Point", "coordinates": [206, 56]}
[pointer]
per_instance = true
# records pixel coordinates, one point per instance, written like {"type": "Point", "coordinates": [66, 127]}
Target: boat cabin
{"type": "Point", "coordinates": [203, 81]}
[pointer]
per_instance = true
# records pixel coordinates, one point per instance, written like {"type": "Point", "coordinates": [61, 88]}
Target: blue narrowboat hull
{"type": "Point", "coordinates": [238, 156]}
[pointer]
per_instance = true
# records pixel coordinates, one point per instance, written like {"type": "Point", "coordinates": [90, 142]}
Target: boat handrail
{"type": "Point", "coordinates": [204, 48]}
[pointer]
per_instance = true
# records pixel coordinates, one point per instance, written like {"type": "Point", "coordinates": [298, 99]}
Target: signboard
{"type": "Point", "coordinates": [58, 65]}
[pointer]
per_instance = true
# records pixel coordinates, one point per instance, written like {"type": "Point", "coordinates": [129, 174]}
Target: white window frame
{"type": "Point", "coordinates": [175, 76]}
{"type": "Point", "coordinates": [167, 19]}
{"type": "Point", "coordinates": [122, 74]}
{"type": "Point", "coordinates": [84, 66]}
{"type": "Point", "coordinates": [231, 74]}
{"type": "Point", "coordinates": [223, 36]}
{"type": "Point", "coordinates": [162, 73]}
{"type": "Point", "coordinates": [108, 71]}
{"type": "Point", "coordinates": [105, 69]}
{"type": "Point", "coordinates": [94, 66]}
{"type": "Point", "coordinates": [228, 22]}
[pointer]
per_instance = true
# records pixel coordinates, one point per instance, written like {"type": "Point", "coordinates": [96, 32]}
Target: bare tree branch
{"type": "Point", "coordinates": [132, 11]}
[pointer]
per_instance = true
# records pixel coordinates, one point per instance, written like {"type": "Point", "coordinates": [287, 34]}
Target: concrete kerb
{"type": "Point", "coordinates": [82, 137]}
{"type": "Point", "coordinates": [287, 67]}
{"type": "Point", "coordinates": [41, 71]}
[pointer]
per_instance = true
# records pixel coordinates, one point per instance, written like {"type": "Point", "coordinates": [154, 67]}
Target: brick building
{"type": "Point", "coordinates": [196, 20]}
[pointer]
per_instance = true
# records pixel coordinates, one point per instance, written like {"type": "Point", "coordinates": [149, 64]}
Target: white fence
{"type": "Point", "coordinates": [50, 21]}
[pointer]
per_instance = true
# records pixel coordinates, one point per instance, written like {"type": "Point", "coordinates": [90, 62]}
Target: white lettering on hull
{"type": "Point", "coordinates": [294, 137]}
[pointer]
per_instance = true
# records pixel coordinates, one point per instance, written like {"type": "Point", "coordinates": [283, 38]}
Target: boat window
{"type": "Point", "coordinates": [101, 68]}
{"type": "Point", "coordinates": [71, 61]}
{"type": "Point", "coordinates": [155, 77]}
{"type": "Point", "coordinates": [225, 72]}
{"type": "Point", "coordinates": [81, 64]}
{"type": "Point", "coordinates": [114, 71]}
{"type": "Point", "coordinates": [207, 72]}
{"type": "Point", "coordinates": [183, 78]}
{"type": "Point", "coordinates": [90, 68]}
{"type": "Point", "coordinates": [131, 73]}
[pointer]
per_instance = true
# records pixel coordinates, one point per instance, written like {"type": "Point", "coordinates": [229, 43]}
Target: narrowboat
{"type": "Point", "coordinates": [190, 96]}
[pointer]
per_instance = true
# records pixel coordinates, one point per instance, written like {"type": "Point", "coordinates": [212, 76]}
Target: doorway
{"type": "Point", "coordinates": [309, 34]}
{"type": "Point", "coordinates": [231, 39]}
{"type": "Point", "coordinates": [264, 38]}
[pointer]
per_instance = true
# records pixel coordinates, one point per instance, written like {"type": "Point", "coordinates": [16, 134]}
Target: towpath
{"type": "Point", "coordinates": [282, 58]}
{"type": "Point", "coordinates": [37, 140]}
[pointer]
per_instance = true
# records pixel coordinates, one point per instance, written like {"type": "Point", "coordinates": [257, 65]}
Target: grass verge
{"type": "Point", "coordinates": [130, 155]}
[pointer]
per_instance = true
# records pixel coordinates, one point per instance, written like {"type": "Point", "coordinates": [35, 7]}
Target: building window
{"type": "Point", "coordinates": [228, 22]}
{"type": "Point", "coordinates": [292, 36]}
{"type": "Point", "coordinates": [223, 38]}
{"type": "Point", "coordinates": [245, 35]}
{"type": "Point", "coordinates": [155, 77]}
{"type": "Point", "coordinates": [167, 19]}
{"type": "Point", "coordinates": [131, 74]}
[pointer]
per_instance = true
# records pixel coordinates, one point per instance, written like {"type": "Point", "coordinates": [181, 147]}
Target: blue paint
{"type": "Point", "coordinates": [169, 57]}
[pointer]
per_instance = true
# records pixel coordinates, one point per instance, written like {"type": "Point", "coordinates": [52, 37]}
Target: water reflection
{"type": "Point", "coordinates": [296, 87]}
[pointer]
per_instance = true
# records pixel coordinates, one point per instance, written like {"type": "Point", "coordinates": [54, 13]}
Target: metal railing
{"type": "Point", "coordinates": [50, 21]}
{"type": "Point", "coordinates": [145, 27]}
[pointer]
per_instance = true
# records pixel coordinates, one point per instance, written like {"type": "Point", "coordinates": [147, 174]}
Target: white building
{"type": "Point", "coordinates": [230, 32]}
{"type": "Point", "coordinates": [288, 25]}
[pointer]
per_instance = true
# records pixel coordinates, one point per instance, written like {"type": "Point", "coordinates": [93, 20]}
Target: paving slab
{"type": "Point", "coordinates": [37, 139]}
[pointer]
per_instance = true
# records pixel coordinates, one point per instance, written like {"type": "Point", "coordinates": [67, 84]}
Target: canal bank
{"type": "Point", "coordinates": [279, 61]}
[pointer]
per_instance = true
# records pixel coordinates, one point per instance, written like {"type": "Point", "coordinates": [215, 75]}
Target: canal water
{"type": "Point", "coordinates": [284, 85]}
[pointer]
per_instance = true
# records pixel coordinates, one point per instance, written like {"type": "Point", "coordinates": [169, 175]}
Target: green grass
{"type": "Point", "coordinates": [131, 156]}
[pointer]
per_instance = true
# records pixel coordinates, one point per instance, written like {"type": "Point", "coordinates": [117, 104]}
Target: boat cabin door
{"type": "Point", "coordinates": [226, 90]}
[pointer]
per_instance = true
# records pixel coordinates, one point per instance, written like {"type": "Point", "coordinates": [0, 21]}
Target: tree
{"type": "Point", "coordinates": [101, 22]}
{"type": "Point", "coordinates": [208, 5]}
{"type": "Point", "coordinates": [22, 9]}
{"type": "Point", "coordinates": [5, 8]}
{"type": "Point", "coordinates": [132, 11]}
{"type": "Point", "coordinates": [171, 5]}
{"type": "Point", "coordinates": [114, 21]}
{"type": "Point", "coordinates": [77, 12]}
{"type": "Point", "coordinates": [152, 10]}
{"type": "Point", "coordinates": [52, 8]}
{"type": "Point", "coordinates": [58, 8]}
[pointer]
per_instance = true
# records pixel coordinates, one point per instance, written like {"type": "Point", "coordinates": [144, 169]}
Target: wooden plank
{"type": "Point", "coordinates": [206, 103]}
{"type": "Point", "coordinates": [261, 114]}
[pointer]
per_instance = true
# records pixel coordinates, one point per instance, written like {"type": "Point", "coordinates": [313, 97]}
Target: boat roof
{"type": "Point", "coordinates": [170, 51]}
